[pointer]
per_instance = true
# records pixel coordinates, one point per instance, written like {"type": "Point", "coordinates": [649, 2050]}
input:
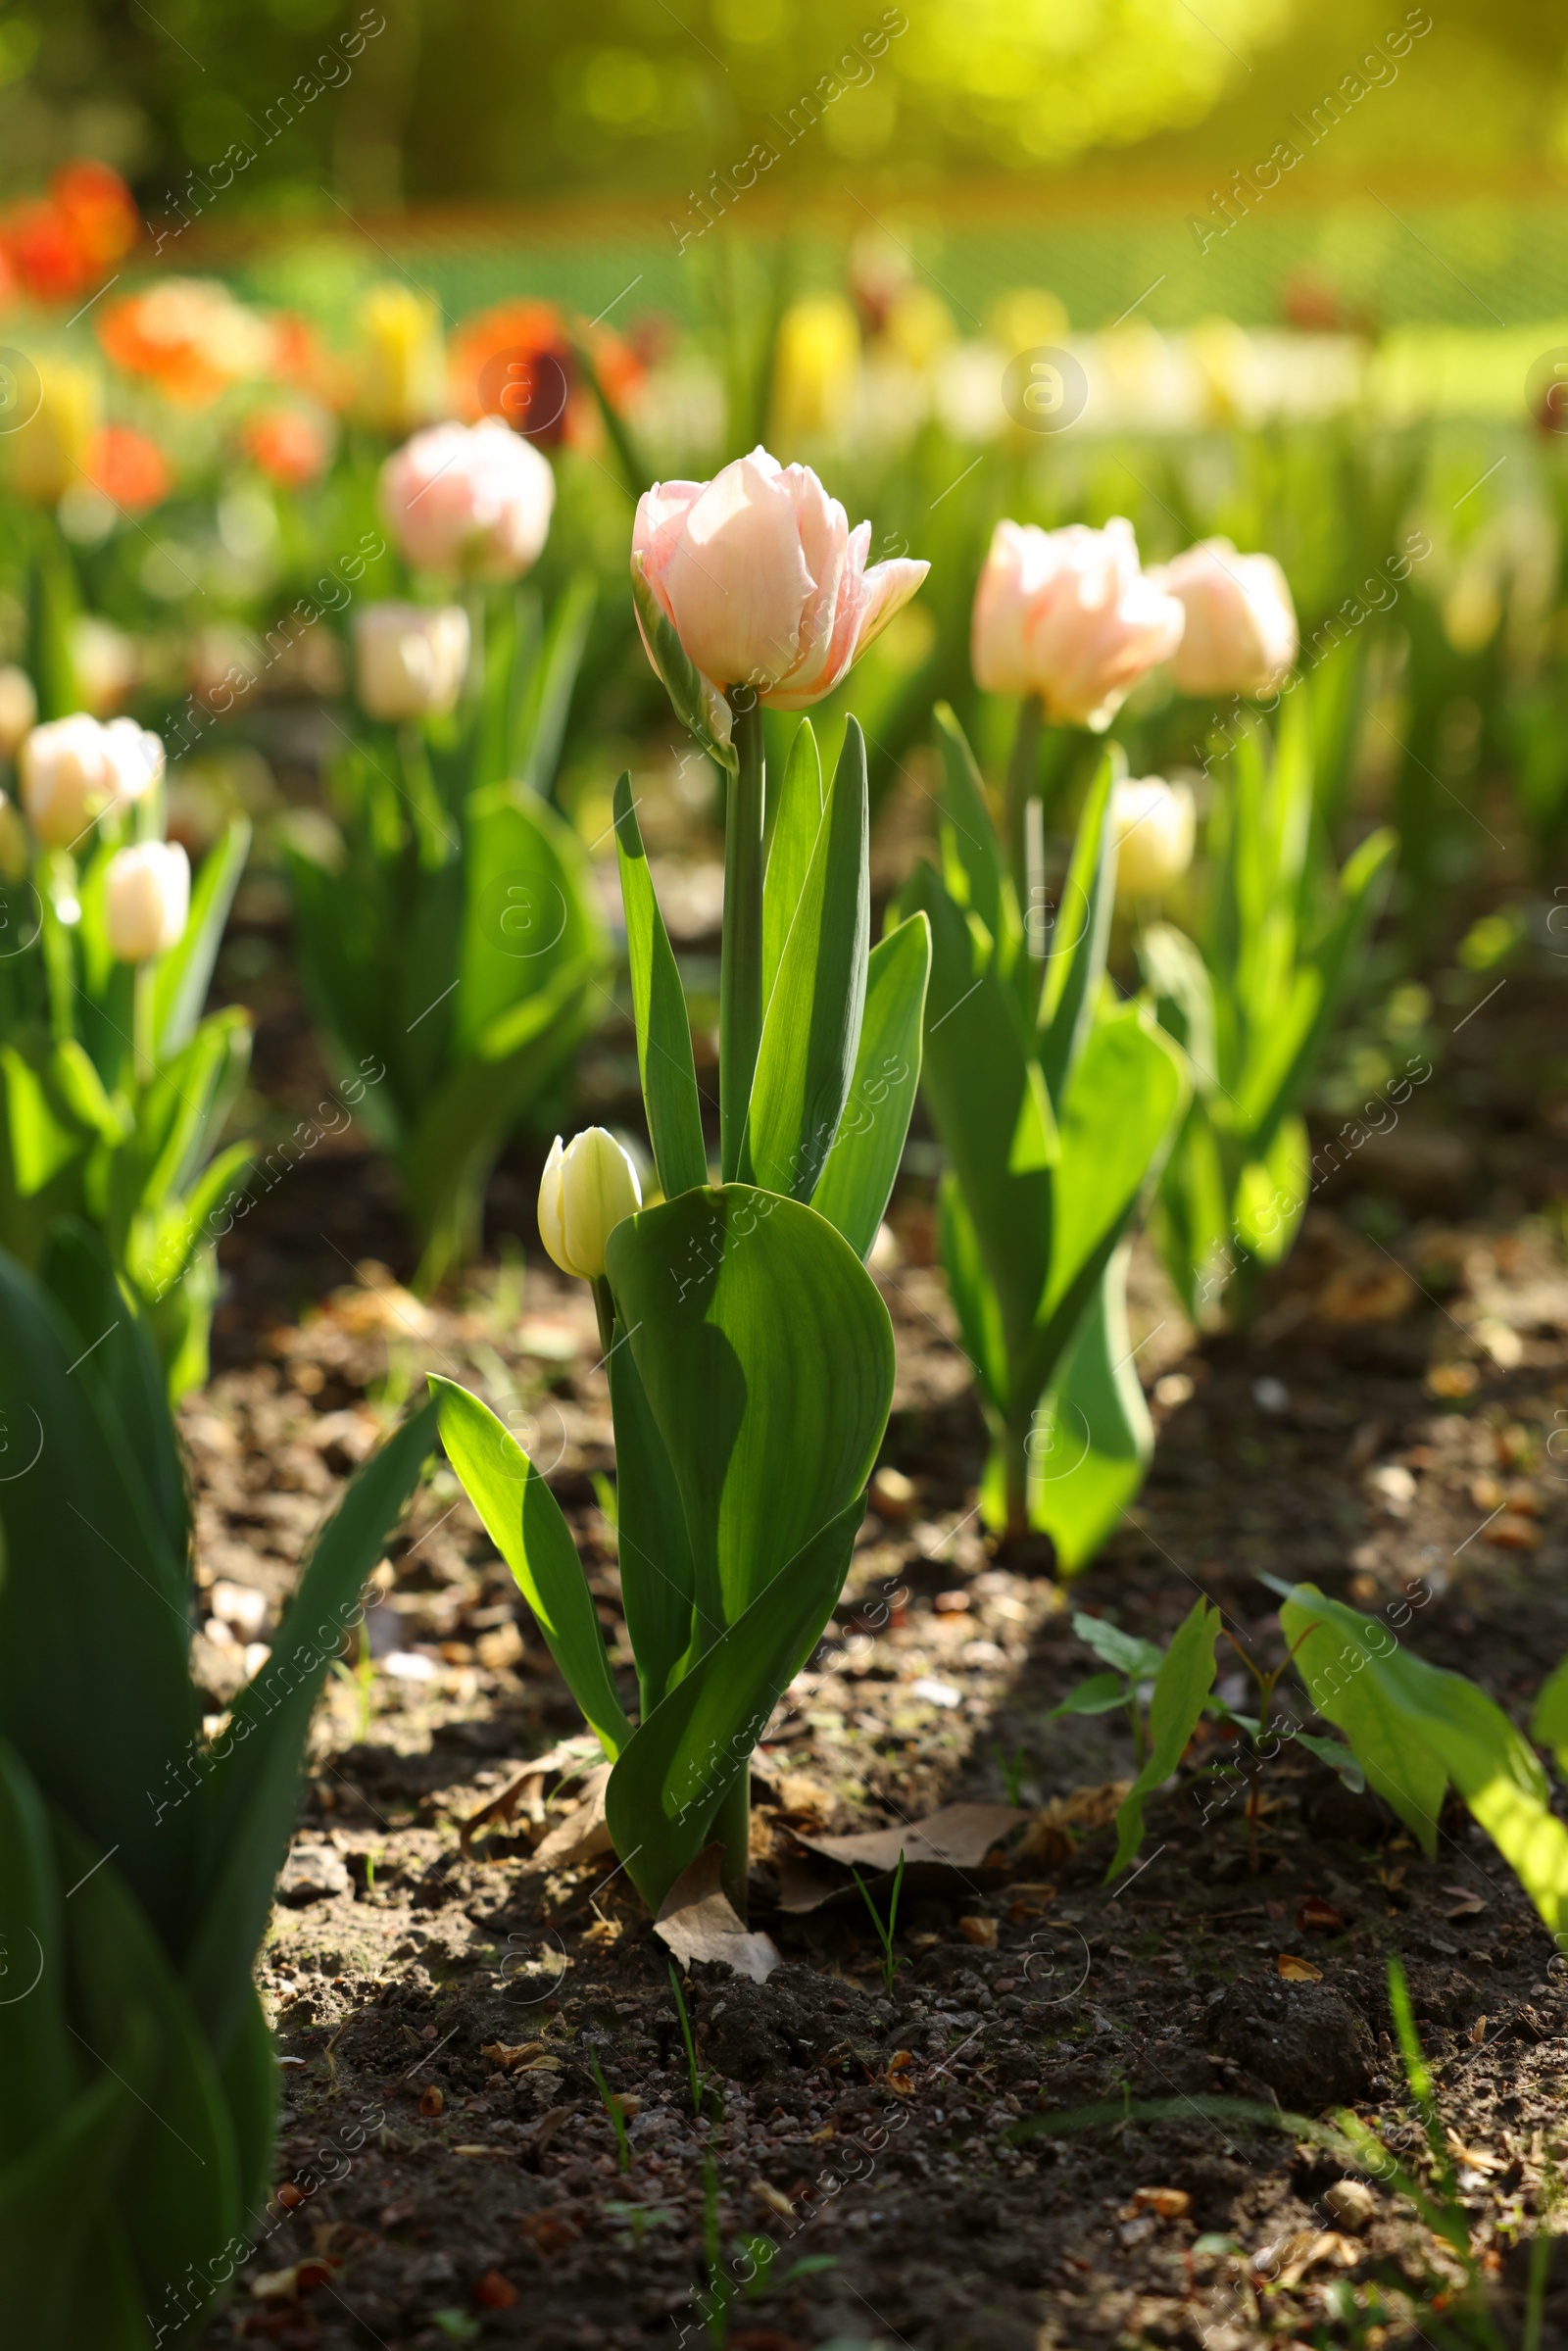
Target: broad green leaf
{"type": "Point", "coordinates": [697, 702]}
{"type": "Point", "coordinates": [976, 1077]}
{"type": "Point", "coordinates": [767, 1355]}
{"type": "Point", "coordinates": [259, 1762]}
{"type": "Point", "coordinates": [1337, 1755]}
{"type": "Point", "coordinates": [1414, 1727]}
{"type": "Point", "coordinates": [186, 1104]}
{"type": "Point", "coordinates": [658, 1003]}
{"type": "Point", "coordinates": [540, 723]}
{"type": "Point", "coordinates": [94, 1602]}
{"type": "Point", "coordinates": [1179, 981]}
{"type": "Point", "coordinates": [857, 1184]}
{"type": "Point", "coordinates": [180, 978]}
{"type": "Point", "coordinates": [1271, 1193]}
{"type": "Point", "coordinates": [1184, 1678]}
{"type": "Point", "coordinates": [1093, 1440]}
{"type": "Point", "coordinates": [1127, 1090]}
{"type": "Point", "coordinates": [1082, 936]}
{"type": "Point", "coordinates": [667, 1786]}
{"type": "Point", "coordinates": [1098, 1695]}
{"type": "Point", "coordinates": [969, 837]}
{"type": "Point", "coordinates": [178, 2190]}
{"type": "Point", "coordinates": [42, 1136]}
{"type": "Point", "coordinates": [56, 2197]}
{"type": "Point", "coordinates": [1549, 1726]}
{"type": "Point", "coordinates": [39, 2063]}
{"type": "Point", "coordinates": [1140, 1660]}
{"type": "Point", "coordinates": [811, 1028]}
{"type": "Point", "coordinates": [524, 1520]}
{"type": "Point", "coordinates": [118, 1362]}
{"type": "Point", "coordinates": [249, 2084]}
{"type": "Point", "coordinates": [793, 831]}
{"type": "Point", "coordinates": [655, 1552]}
{"type": "Point", "coordinates": [1193, 1222]}
{"type": "Point", "coordinates": [974, 1301]}
{"type": "Point", "coordinates": [528, 908]}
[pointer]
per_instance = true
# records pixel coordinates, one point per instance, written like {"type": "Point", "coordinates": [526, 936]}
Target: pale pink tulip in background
{"type": "Point", "coordinates": [468, 498]}
{"type": "Point", "coordinates": [1070, 616]}
{"type": "Point", "coordinates": [1240, 635]}
{"type": "Point", "coordinates": [763, 580]}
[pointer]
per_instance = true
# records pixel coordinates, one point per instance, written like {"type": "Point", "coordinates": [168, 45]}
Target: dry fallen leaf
{"type": "Point", "coordinates": [584, 1833]}
{"type": "Point", "coordinates": [1297, 1971]}
{"type": "Point", "coordinates": [979, 1931]}
{"type": "Point", "coordinates": [526, 1789]}
{"type": "Point", "coordinates": [774, 2198]}
{"type": "Point", "coordinates": [1467, 1903]}
{"type": "Point", "coordinates": [1478, 2033]}
{"type": "Point", "coordinates": [900, 2074]}
{"type": "Point", "coordinates": [1316, 1916]}
{"type": "Point", "coordinates": [431, 2102]}
{"type": "Point", "coordinates": [495, 2292]}
{"type": "Point", "coordinates": [950, 1842]}
{"type": "Point", "coordinates": [1171, 2203]}
{"type": "Point", "coordinates": [699, 1922]}
{"type": "Point", "coordinates": [1512, 1532]}
{"type": "Point", "coordinates": [512, 2056]}
{"type": "Point", "coordinates": [549, 2233]}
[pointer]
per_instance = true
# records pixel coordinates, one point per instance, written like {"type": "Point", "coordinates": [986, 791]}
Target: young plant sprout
{"type": "Point", "coordinates": [886, 1929]}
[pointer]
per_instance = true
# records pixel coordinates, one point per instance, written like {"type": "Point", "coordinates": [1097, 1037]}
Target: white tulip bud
{"type": "Point", "coordinates": [146, 900]}
{"type": "Point", "coordinates": [18, 708]}
{"type": "Point", "coordinates": [586, 1190]}
{"type": "Point", "coordinates": [1154, 824]}
{"type": "Point", "coordinates": [410, 660]}
{"type": "Point", "coordinates": [74, 768]}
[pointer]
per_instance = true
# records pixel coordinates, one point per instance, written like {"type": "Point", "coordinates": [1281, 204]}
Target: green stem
{"type": "Point", "coordinates": [432, 827]}
{"type": "Point", "coordinates": [1023, 779]}
{"type": "Point", "coordinates": [605, 1309]}
{"type": "Point", "coordinates": [143, 1030]}
{"type": "Point", "coordinates": [57, 880]}
{"type": "Point", "coordinates": [732, 1827]}
{"type": "Point", "coordinates": [740, 983]}
{"type": "Point", "coordinates": [1016, 1456]}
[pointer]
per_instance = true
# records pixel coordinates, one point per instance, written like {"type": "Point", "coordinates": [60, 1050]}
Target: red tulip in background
{"type": "Point", "coordinates": [59, 246]}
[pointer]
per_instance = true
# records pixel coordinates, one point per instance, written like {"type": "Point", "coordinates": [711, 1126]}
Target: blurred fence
{"type": "Point", "coordinates": [1497, 259]}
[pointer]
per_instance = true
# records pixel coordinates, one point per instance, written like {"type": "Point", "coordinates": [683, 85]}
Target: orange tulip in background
{"type": "Point", "coordinates": [292, 446]}
{"type": "Point", "coordinates": [56, 247]}
{"type": "Point", "coordinates": [131, 471]}
{"type": "Point", "coordinates": [191, 338]}
{"type": "Point", "coordinates": [516, 361]}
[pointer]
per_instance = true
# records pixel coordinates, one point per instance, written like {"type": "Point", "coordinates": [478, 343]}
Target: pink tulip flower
{"type": "Point", "coordinates": [1069, 614]}
{"type": "Point", "coordinates": [763, 580]}
{"type": "Point", "coordinates": [1240, 635]}
{"type": "Point", "coordinates": [468, 498]}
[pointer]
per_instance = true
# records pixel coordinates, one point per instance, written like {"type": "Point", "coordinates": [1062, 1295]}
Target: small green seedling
{"type": "Point", "coordinates": [1011, 1767]}
{"type": "Point", "coordinates": [1131, 1667]}
{"type": "Point", "coordinates": [699, 2075]}
{"type": "Point", "coordinates": [885, 1933]}
{"type": "Point", "coordinates": [616, 2113]}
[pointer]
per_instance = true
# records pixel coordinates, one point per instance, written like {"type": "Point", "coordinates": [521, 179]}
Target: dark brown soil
{"type": "Point", "coordinates": [449, 2169]}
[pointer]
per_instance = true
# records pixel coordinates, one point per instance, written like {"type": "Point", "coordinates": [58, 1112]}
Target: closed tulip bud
{"type": "Point", "coordinates": [16, 848]}
{"type": "Point", "coordinates": [146, 900]}
{"type": "Point", "coordinates": [1240, 635]}
{"type": "Point", "coordinates": [1154, 824]}
{"type": "Point", "coordinates": [73, 769]}
{"type": "Point", "coordinates": [1067, 614]}
{"type": "Point", "coordinates": [48, 452]}
{"type": "Point", "coordinates": [18, 708]}
{"type": "Point", "coordinates": [763, 581]}
{"type": "Point", "coordinates": [586, 1190]}
{"type": "Point", "coordinates": [401, 370]}
{"type": "Point", "coordinates": [410, 660]}
{"type": "Point", "coordinates": [469, 498]}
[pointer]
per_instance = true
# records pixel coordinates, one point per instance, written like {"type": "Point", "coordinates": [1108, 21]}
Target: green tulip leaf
{"type": "Point", "coordinates": [1092, 1439]}
{"type": "Point", "coordinates": [181, 977]}
{"type": "Point", "coordinates": [667, 1788]}
{"type": "Point", "coordinates": [767, 1356]}
{"type": "Point", "coordinates": [524, 1520]}
{"type": "Point", "coordinates": [795, 827]}
{"type": "Point", "coordinates": [655, 1553]}
{"type": "Point", "coordinates": [1076, 965]}
{"type": "Point", "coordinates": [811, 1028]}
{"type": "Point", "coordinates": [1184, 1681]}
{"type": "Point", "coordinates": [664, 1060]}
{"type": "Point", "coordinates": [970, 853]}
{"type": "Point", "coordinates": [857, 1183]}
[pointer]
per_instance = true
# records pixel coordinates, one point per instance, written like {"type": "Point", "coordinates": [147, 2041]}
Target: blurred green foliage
{"type": "Point", "coordinates": [473, 99]}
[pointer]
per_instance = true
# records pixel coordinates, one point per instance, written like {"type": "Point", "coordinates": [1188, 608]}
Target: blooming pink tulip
{"type": "Point", "coordinates": [470, 498]}
{"type": "Point", "coordinates": [763, 580]}
{"type": "Point", "coordinates": [1240, 635]}
{"type": "Point", "coordinates": [1067, 614]}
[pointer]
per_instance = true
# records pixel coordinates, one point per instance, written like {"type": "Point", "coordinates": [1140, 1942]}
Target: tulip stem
{"type": "Point", "coordinates": [605, 1309]}
{"type": "Point", "coordinates": [740, 984]}
{"type": "Point", "coordinates": [732, 1829]}
{"type": "Point", "coordinates": [1023, 783]}
{"type": "Point", "coordinates": [143, 1021]}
